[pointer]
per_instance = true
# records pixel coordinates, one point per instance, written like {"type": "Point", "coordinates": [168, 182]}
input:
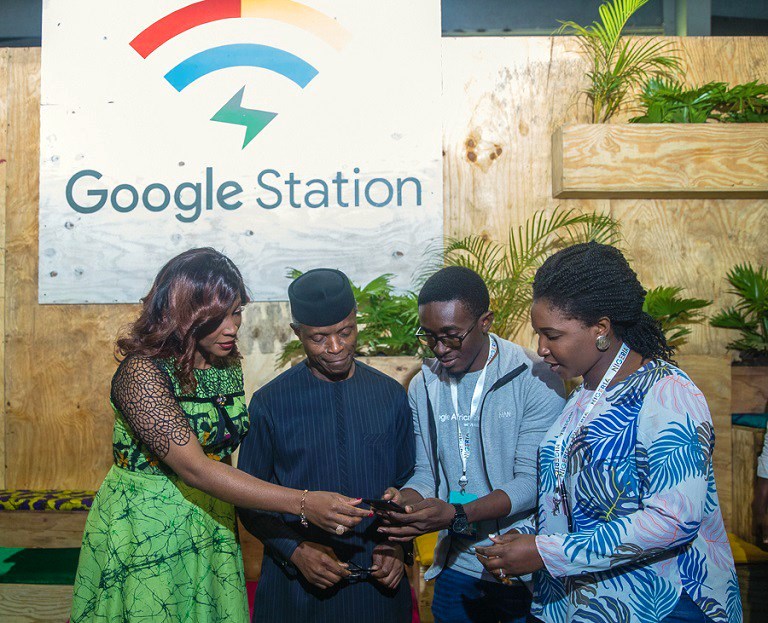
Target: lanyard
{"type": "Point", "coordinates": [477, 395]}
{"type": "Point", "coordinates": [561, 454]}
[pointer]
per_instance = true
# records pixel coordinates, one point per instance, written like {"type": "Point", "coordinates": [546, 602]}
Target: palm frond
{"type": "Point", "coordinates": [749, 316]}
{"type": "Point", "coordinates": [618, 64]}
{"type": "Point", "coordinates": [508, 269]}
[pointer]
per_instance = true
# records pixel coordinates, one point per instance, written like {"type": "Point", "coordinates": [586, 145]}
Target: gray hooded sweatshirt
{"type": "Point", "coordinates": [522, 384]}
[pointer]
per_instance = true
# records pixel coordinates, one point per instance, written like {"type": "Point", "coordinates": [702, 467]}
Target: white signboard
{"type": "Point", "coordinates": [285, 134]}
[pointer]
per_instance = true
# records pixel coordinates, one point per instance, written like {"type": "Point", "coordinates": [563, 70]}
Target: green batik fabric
{"type": "Point", "coordinates": [217, 389]}
{"type": "Point", "coordinates": [155, 549]}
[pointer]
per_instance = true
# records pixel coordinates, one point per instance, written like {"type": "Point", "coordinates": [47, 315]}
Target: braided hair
{"type": "Point", "coordinates": [590, 281]}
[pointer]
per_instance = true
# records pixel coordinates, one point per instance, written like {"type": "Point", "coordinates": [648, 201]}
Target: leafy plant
{"type": "Point", "coordinates": [668, 101]}
{"type": "Point", "coordinates": [750, 314]}
{"type": "Point", "coordinates": [387, 321]}
{"type": "Point", "coordinates": [674, 312]}
{"type": "Point", "coordinates": [508, 268]}
{"type": "Point", "coordinates": [746, 103]}
{"type": "Point", "coordinates": [619, 64]}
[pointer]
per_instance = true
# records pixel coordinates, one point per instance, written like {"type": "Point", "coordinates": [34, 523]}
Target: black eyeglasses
{"type": "Point", "coordinates": [356, 572]}
{"type": "Point", "coordinates": [450, 341]}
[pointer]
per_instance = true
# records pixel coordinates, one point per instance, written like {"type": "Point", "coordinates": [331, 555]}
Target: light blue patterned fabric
{"type": "Point", "coordinates": [646, 522]}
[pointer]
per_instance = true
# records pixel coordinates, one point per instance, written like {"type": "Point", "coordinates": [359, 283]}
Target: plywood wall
{"type": "Point", "coordinates": [503, 98]}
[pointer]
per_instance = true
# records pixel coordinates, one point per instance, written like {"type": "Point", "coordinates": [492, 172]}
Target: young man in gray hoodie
{"type": "Point", "coordinates": [480, 409]}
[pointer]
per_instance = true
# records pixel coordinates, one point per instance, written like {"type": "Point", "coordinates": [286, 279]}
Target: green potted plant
{"type": "Point", "coordinates": [508, 267]}
{"type": "Point", "coordinates": [619, 64]}
{"type": "Point", "coordinates": [749, 319]}
{"type": "Point", "coordinates": [674, 313]}
{"type": "Point", "coordinates": [669, 101]}
{"type": "Point", "coordinates": [749, 316]}
{"type": "Point", "coordinates": [387, 323]}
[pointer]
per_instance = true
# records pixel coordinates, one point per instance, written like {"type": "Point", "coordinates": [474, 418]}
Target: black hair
{"type": "Point", "coordinates": [457, 283]}
{"type": "Point", "coordinates": [189, 298]}
{"type": "Point", "coordinates": [590, 281]}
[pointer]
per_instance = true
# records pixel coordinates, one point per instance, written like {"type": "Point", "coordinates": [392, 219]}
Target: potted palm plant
{"type": "Point", "coordinates": [674, 313]}
{"type": "Point", "coordinates": [749, 319]}
{"type": "Point", "coordinates": [508, 267]}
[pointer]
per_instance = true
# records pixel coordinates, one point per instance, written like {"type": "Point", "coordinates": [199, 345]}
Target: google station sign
{"type": "Point", "coordinates": [283, 133]}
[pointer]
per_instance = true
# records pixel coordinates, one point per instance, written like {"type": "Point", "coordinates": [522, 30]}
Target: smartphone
{"type": "Point", "coordinates": [384, 505]}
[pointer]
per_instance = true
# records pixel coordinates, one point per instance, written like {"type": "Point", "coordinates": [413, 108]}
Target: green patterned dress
{"type": "Point", "coordinates": [155, 549]}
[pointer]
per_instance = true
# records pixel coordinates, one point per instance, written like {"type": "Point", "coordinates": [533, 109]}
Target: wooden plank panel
{"type": "Point", "coordinates": [692, 244]}
{"type": "Point", "coordinates": [748, 444]}
{"type": "Point", "coordinates": [402, 369]}
{"type": "Point", "coordinates": [54, 529]}
{"type": "Point", "coordinates": [59, 423]}
{"type": "Point", "coordinates": [660, 160]}
{"type": "Point", "coordinates": [502, 99]}
{"type": "Point", "coordinates": [34, 603]}
{"type": "Point", "coordinates": [4, 96]}
{"type": "Point", "coordinates": [749, 393]}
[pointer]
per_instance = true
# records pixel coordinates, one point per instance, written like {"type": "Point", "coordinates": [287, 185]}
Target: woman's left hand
{"type": "Point", "coordinates": [511, 554]}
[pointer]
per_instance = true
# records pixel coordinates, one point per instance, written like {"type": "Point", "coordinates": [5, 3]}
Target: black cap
{"type": "Point", "coordinates": [321, 297]}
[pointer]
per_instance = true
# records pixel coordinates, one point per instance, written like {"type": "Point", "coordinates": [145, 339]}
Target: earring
{"type": "Point", "coordinates": [602, 343]}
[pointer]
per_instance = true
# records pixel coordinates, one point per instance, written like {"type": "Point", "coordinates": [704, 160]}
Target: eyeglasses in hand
{"type": "Point", "coordinates": [356, 572]}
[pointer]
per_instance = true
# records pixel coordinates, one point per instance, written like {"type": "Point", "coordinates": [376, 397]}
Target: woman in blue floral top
{"type": "Point", "coordinates": [629, 527]}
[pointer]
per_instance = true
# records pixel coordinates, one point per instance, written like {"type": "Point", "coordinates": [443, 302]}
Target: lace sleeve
{"type": "Point", "coordinates": [143, 394]}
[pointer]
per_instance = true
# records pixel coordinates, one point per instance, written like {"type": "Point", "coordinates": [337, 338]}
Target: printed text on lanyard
{"type": "Point", "coordinates": [563, 443]}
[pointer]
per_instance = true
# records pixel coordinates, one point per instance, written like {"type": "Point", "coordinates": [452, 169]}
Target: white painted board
{"type": "Point", "coordinates": [135, 169]}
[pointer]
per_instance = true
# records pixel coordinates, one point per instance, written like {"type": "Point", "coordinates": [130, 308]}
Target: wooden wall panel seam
{"type": "Point", "coordinates": [4, 102]}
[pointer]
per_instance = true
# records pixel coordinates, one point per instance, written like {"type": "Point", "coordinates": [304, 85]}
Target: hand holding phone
{"type": "Point", "coordinates": [384, 505]}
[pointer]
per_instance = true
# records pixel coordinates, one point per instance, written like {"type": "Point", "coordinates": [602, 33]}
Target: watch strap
{"type": "Point", "coordinates": [458, 516]}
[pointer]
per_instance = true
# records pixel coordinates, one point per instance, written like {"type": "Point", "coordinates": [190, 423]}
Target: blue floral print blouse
{"type": "Point", "coordinates": [645, 522]}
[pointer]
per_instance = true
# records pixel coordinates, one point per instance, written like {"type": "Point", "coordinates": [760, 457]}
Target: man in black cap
{"type": "Point", "coordinates": [329, 423]}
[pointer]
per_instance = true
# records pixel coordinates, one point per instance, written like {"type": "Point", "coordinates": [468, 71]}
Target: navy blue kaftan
{"type": "Point", "coordinates": [354, 437]}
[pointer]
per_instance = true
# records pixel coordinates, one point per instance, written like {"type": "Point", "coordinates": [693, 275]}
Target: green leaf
{"type": "Point", "coordinates": [619, 64]}
{"type": "Point", "coordinates": [749, 316]}
{"type": "Point", "coordinates": [508, 268]}
{"type": "Point", "coordinates": [674, 313]}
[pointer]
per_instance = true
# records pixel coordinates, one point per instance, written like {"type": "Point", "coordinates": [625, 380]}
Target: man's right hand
{"type": "Point", "coordinates": [319, 564]}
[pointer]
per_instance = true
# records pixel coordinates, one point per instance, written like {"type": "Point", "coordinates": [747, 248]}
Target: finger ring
{"type": "Point", "coordinates": [502, 575]}
{"type": "Point", "coordinates": [340, 529]}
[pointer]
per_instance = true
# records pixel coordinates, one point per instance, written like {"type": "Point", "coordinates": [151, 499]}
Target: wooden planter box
{"type": "Point", "coordinates": [402, 369]}
{"type": "Point", "coordinates": [749, 394]}
{"type": "Point", "coordinates": [705, 160]}
{"type": "Point", "coordinates": [749, 389]}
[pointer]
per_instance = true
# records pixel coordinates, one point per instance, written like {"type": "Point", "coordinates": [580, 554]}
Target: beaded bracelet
{"type": "Point", "coordinates": [302, 516]}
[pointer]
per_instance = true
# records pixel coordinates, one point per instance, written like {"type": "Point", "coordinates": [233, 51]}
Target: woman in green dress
{"type": "Point", "coordinates": [160, 543]}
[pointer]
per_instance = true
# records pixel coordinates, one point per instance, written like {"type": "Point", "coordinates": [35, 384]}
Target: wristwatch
{"type": "Point", "coordinates": [459, 524]}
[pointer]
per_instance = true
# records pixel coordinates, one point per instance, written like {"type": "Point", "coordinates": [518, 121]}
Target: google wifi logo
{"type": "Point", "coordinates": [213, 59]}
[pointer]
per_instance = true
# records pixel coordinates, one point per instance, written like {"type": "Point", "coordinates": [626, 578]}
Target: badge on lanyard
{"type": "Point", "coordinates": [477, 395]}
{"type": "Point", "coordinates": [565, 439]}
